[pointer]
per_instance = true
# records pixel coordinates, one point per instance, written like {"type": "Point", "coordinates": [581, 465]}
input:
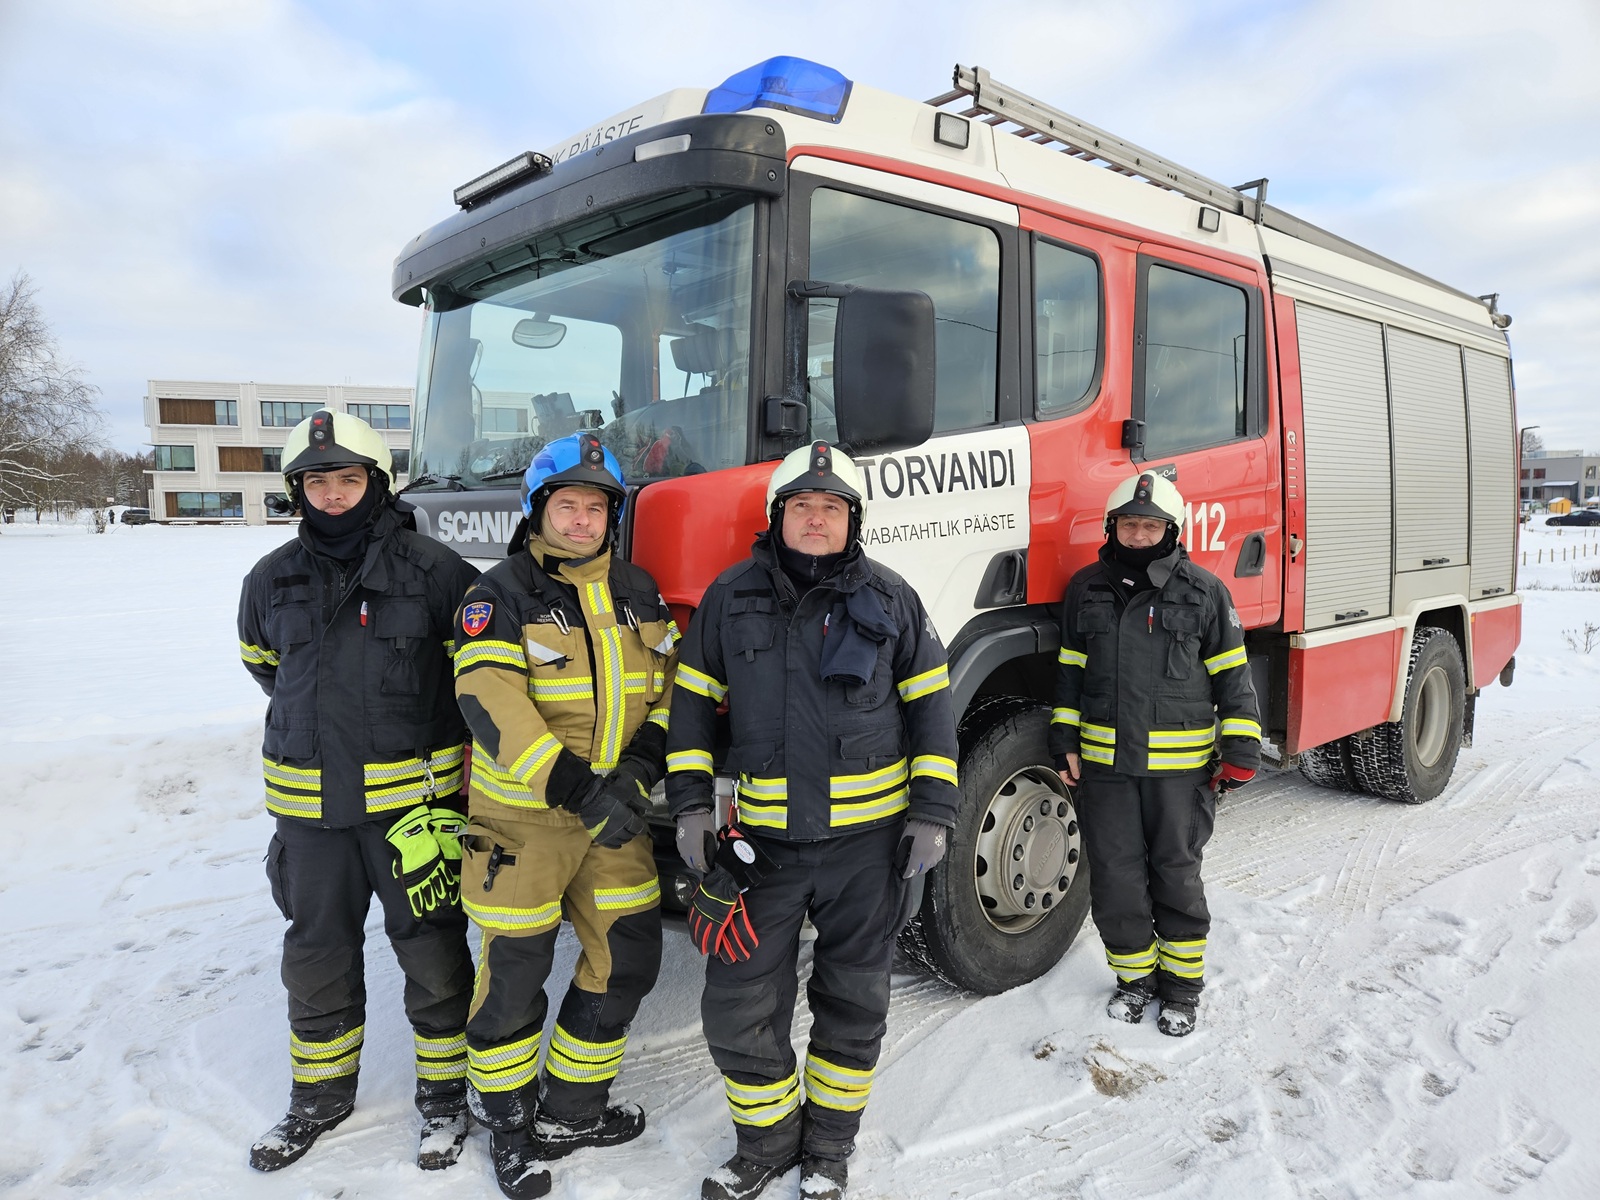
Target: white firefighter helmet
{"type": "Point", "coordinates": [818, 467]}
{"type": "Point", "coordinates": [327, 440]}
{"type": "Point", "coordinates": [1146, 494]}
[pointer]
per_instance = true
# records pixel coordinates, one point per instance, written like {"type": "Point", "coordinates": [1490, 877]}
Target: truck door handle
{"type": "Point", "coordinates": [1350, 616]}
{"type": "Point", "coordinates": [1434, 562]}
{"type": "Point", "coordinates": [1252, 556]}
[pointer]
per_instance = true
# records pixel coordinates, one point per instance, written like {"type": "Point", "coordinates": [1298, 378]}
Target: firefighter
{"type": "Point", "coordinates": [348, 630]}
{"type": "Point", "coordinates": [844, 747]}
{"type": "Point", "coordinates": [564, 672]}
{"type": "Point", "coordinates": [1152, 658]}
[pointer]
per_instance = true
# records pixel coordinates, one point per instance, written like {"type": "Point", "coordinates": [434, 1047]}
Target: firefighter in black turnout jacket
{"type": "Point", "coordinates": [564, 669]}
{"type": "Point", "coordinates": [348, 630]}
{"type": "Point", "coordinates": [1154, 715]}
{"type": "Point", "coordinates": [844, 751]}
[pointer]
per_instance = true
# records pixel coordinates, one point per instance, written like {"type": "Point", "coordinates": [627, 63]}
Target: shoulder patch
{"type": "Point", "coordinates": [1233, 618]}
{"type": "Point", "coordinates": [475, 617]}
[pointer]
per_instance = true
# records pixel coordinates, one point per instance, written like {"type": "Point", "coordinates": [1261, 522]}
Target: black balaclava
{"type": "Point", "coordinates": [344, 536]}
{"type": "Point", "coordinates": [1140, 557]}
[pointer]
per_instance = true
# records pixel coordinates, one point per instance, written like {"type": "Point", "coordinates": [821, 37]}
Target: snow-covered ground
{"type": "Point", "coordinates": [1402, 1001]}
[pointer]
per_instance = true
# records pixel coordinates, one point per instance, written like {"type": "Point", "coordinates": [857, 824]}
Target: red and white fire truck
{"type": "Point", "coordinates": [713, 277]}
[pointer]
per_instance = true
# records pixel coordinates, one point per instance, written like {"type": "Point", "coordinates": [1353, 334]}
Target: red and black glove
{"type": "Point", "coordinates": [719, 923]}
{"type": "Point", "coordinates": [1229, 777]}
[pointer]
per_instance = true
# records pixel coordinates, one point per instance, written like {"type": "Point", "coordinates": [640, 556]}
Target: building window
{"type": "Point", "coordinates": [505, 420]}
{"type": "Point", "coordinates": [1538, 472]}
{"type": "Point", "coordinates": [382, 416]}
{"type": "Point", "coordinates": [198, 412]}
{"type": "Point", "coordinates": [272, 459]}
{"type": "Point", "coordinates": [286, 413]}
{"type": "Point", "coordinates": [1525, 472]}
{"type": "Point", "coordinates": [1588, 472]}
{"type": "Point", "coordinates": [205, 504]}
{"type": "Point", "coordinates": [174, 458]}
{"type": "Point", "coordinates": [402, 461]}
{"type": "Point", "coordinates": [254, 459]}
{"type": "Point", "coordinates": [1066, 321]}
{"type": "Point", "coordinates": [1193, 369]}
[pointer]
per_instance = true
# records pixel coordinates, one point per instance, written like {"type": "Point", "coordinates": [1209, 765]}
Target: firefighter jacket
{"type": "Point", "coordinates": [815, 757]}
{"type": "Point", "coordinates": [356, 659]}
{"type": "Point", "coordinates": [1156, 681]}
{"type": "Point", "coordinates": [578, 655]}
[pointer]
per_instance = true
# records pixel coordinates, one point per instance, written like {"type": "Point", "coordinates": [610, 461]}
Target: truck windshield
{"type": "Point", "coordinates": [634, 322]}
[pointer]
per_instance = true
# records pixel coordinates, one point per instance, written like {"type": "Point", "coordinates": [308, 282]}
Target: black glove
{"type": "Point", "coordinates": [645, 756]}
{"type": "Point", "coordinates": [610, 808]}
{"type": "Point", "coordinates": [719, 923]}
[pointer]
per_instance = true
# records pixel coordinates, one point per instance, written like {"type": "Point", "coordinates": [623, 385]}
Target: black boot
{"type": "Point", "coordinates": [289, 1139]}
{"type": "Point", "coordinates": [556, 1138]}
{"type": "Point", "coordinates": [1177, 1018]}
{"type": "Point", "coordinates": [739, 1178]}
{"type": "Point", "coordinates": [441, 1140]}
{"type": "Point", "coordinates": [1131, 998]}
{"type": "Point", "coordinates": [823, 1178]}
{"type": "Point", "coordinates": [516, 1165]}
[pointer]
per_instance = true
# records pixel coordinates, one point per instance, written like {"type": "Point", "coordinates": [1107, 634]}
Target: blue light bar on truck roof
{"type": "Point", "coordinates": [794, 85]}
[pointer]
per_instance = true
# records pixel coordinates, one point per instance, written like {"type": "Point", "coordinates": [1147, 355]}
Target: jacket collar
{"type": "Point", "coordinates": [854, 569]}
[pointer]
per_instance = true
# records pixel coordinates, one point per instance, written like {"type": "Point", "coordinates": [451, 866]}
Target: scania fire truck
{"type": "Point", "coordinates": [1002, 311]}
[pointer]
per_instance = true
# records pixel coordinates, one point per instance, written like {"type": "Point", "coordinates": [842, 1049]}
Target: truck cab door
{"type": "Point", "coordinates": [1202, 397]}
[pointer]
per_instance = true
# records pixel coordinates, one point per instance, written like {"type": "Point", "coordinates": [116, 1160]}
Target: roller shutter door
{"type": "Point", "coordinates": [1429, 405]}
{"type": "Point", "coordinates": [1345, 434]}
{"type": "Point", "coordinates": [1494, 484]}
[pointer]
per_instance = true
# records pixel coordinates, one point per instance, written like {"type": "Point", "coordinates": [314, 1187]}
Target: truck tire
{"type": "Point", "coordinates": [1012, 893]}
{"type": "Point", "coordinates": [1328, 765]}
{"type": "Point", "coordinates": [1412, 759]}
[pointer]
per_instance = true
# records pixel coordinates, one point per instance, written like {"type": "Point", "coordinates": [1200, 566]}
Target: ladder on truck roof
{"type": "Point", "coordinates": [1000, 106]}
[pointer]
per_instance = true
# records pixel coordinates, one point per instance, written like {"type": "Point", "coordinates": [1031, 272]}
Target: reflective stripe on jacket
{"type": "Point", "coordinates": [1158, 683]}
{"type": "Point", "coordinates": [813, 758]}
{"type": "Point", "coordinates": [531, 681]}
{"type": "Point", "coordinates": [356, 659]}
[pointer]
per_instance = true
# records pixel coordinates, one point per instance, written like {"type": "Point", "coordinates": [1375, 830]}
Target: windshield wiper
{"type": "Point", "coordinates": [452, 483]}
{"type": "Point", "coordinates": [511, 474]}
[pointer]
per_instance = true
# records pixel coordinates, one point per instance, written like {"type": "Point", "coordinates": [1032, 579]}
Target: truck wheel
{"type": "Point", "coordinates": [1011, 895]}
{"type": "Point", "coordinates": [1412, 759]}
{"type": "Point", "coordinates": [1328, 766]}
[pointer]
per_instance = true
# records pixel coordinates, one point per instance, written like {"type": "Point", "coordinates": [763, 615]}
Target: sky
{"type": "Point", "coordinates": [217, 189]}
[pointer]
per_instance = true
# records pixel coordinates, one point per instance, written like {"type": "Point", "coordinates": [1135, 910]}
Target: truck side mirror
{"type": "Point", "coordinates": [883, 369]}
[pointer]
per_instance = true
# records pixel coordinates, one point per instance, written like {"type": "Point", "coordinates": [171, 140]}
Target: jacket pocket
{"type": "Point", "coordinates": [872, 747]}
{"type": "Point", "coordinates": [1185, 714]}
{"type": "Point", "coordinates": [296, 746]}
{"type": "Point", "coordinates": [875, 691]}
{"type": "Point", "coordinates": [752, 758]}
{"type": "Point", "coordinates": [290, 625]}
{"type": "Point", "coordinates": [1182, 624]}
{"type": "Point", "coordinates": [278, 876]}
{"type": "Point", "coordinates": [400, 626]}
{"type": "Point", "coordinates": [658, 642]}
{"type": "Point", "coordinates": [746, 637]}
{"type": "Point", "coordinates": [1095, 618]}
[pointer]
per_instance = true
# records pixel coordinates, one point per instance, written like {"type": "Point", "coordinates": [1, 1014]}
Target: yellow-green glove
{"type": "Point", "coordinates": [448, 828]}
{"type": "Point", "coordinates": [419, 865]}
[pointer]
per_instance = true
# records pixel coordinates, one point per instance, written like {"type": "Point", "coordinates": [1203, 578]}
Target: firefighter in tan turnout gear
{"type": "Point", "coordinates": [564, 665]}
{"type": "Point", "coordinates": [1154, 715]}
{"type": "Point", "coordinates": [348, 628]}
{"type": "Point", "coordinates": [844, 744]}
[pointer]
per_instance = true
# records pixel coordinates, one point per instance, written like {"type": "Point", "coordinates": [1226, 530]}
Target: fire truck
{"type": "Point", "coordinates": [1001, 311]}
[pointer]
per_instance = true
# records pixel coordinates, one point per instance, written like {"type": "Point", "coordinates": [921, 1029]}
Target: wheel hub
{"type": "Point", "coordinates": [1028, 851]}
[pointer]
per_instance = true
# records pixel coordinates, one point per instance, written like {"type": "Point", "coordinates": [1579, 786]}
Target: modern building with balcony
{"type": "Point", "coordinates": [219, 446]}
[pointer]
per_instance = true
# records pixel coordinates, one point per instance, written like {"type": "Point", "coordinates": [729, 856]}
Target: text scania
{"type": "Point", "coordinates": [892, 476]}
{"type": "Point", "coordinates": [494, 528]}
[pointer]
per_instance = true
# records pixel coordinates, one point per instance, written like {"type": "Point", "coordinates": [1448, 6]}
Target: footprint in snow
{"type": "Point", "coordinates": [1535, 1144]}
{"type": "Point", "coordinates": [1493, 1027]}
{"type": "Point", "coordinates": [1574, 917]}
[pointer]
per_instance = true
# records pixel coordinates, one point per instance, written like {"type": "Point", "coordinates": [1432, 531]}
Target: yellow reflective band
{"type": "Point", "coordinates": [925, 684]}
{"type": "Point", "coordinates": [284, 805]}
{"type": "Point", "coordinates": [1185, 760]}
{"type": "Point", "coordinates": [258, 655]}
{"type": "Point", "coordinates": [500, 787]}
{"type": "Point", "coordinates": [1187, 960]}
{"type": "Point", "coordinates": [660, 716]}
{"type": "Point", "coordinates": [513, 920]}
{"type": "Point", "coordinates": [1065, 716]}
{"type": "Point", "coordinates": [450, 648]}
{"type": "Point", "coordinates": [300, 1048]}
{"type": "Point", "coordinates": [1072, 658]}
{"type": "Point", "coordinates": [1241, 727]}
{"type": "Point", "coordinates": [633, 682]}
{"type": "Point", "coordinates": [384, 799]}
{"type": "Point", "coordinates": [579, 687]}
{"type": "Point", "coordinates": [333, 1069]}
{"type": "Point", "coordinates": [1172, 739]}
{"type": "Point", "coordinates": [577, 1061]}
{"type": "Point", "coordinates": [503, 654]}
{"type": "Point", "coordinates": [762, 1104]}
{"type": "Point", "coordinates": [292, 776]}
{"type": "Point", "coordinates": [292, 791]}
{"type": "Point", "coordinates": [763, 816]}
{"type": "Point", "coordinates": [505, 1067]}
{"type": "Point", "coordinates": [868, 810]}
{"type": "Point", "coordinates": [446, 1047]}
{"type": "Point", "coordinates": [700, 683]}
{"type": "Point", "coordinates": [1228, 658]}
{"type": "Point", "coordinates": [611, 700]}
{"type": "Point", "coordinates": [1098, 733]}
{"type": "Point", "coordinates": [441, 1058]}
{"type": "Point", "coordinates": [843, 787]}
{"type": "Point", "coordinates": [617, 899]}
{"type": "Point", "coordinates": [832, 1086]}
{"type": "Point", "coordinates": [529, 762]}
{"type": "Point", "coordinates": [1132, 966]}
{"type": "Point", "coordinates": [1104, 755]}
{"type": "Point", "coordinates": [599, 599]}
{"type": "Point", "coordinates": [689, 760]}
{"type": "Point", "coordinates": [934, 766]}
{"type": "Point", "coordinates": [763, 789]}
{"type": "Point", "coordinates": [393, 772]}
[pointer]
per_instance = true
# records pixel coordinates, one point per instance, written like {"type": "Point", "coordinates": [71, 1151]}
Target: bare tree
{"type": "Point", "coordinates": [48, 414]}
{"type": "Point", "coordinates": [1531, 441]}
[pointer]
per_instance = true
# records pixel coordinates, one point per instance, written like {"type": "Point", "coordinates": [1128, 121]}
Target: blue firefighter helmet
{"type": "Point", "coordinates": [575, 461]}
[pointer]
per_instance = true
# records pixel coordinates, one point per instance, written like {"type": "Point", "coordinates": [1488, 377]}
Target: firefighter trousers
{"type": "Point", "coordinates": [1143, 836]}
{"type": "Point", "coordinates": [323, 881]}
{"type": "Point", "coordinates": [521, 873]}
{"type": "Point", "coordinates": [849, 888]}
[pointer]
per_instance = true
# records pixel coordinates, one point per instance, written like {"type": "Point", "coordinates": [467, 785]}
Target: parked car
{"type": "Point", "coordinates": [1578, 516]}
{"type": "Point", "coordinates": [136, 516]}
